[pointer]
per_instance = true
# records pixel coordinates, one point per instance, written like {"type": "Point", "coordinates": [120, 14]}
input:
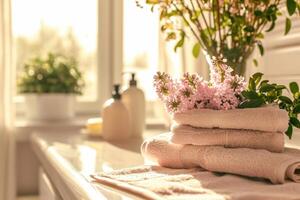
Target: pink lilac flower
{"type": "Point", "coordinates": [224, 99]}
{"type": "Point", "coordinates": [222, 92]}
{"type": "Point", "coordinates": [164, 85]}
{"type": "Point", "coordinates": [219, 71]}
{"type": "Point", "coordinates": [204, 95]}
{"type": "Point", "coordinates": [173, 104]}
{"type": "Point", "coordinates": [186, 95]}
{"type": "Point", "coordinates": [191, 80]}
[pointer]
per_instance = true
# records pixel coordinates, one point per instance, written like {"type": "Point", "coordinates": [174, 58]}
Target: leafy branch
{"type": "Point", "coordinates": [229, 28]}
{"type": "Point", "coordinates": [261, 92]}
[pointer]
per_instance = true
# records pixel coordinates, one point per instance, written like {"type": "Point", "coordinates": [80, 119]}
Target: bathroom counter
{"type": "Point", "coordinates": [68, 159]}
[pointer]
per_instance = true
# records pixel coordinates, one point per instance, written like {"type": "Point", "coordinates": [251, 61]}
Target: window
{"type": "Point", "coordinates": [141, 45]}
{"type": "Point", "coordinates": [141, 52]}
{"type": "Point", "coordinates": [91, 32]}
{"type": "Point", "coordinates": [60, 26]}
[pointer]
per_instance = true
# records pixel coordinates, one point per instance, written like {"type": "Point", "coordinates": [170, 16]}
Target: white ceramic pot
{"type": "Point", "coordinates": [49, 106]}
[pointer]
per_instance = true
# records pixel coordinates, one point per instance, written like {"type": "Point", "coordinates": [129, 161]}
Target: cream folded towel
{"type": "Point", "coordinates": [157, 183]}
{"type": "Point", "coordinates": [242, 161]}
{"type": "Point", "coordinates": [184, 134]}
{"type": "Point", "coordinates": [268, 118]}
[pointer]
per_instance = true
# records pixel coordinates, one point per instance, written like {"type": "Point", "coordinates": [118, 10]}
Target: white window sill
{"type": "Point", "coordinates": [24, 128]}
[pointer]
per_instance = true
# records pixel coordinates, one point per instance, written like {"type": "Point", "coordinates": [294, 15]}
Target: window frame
{"type": "Point", "coordinates": [109, 57]}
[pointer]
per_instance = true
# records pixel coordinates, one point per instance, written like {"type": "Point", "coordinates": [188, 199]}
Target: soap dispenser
{"type": "Point", "coordinates": [134, 100]}
{"type": "Point", "coordinates": [115, 117]}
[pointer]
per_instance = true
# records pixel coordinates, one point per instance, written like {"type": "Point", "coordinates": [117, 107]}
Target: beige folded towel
{"type": "Point", "coordinates": [154, 182]}
{"type": "Point", "coordinates": [184, 134]}
{"type": "Point", "coordinates": [242, 161]}
{"type": "Point", "coordinates": [268, 118]}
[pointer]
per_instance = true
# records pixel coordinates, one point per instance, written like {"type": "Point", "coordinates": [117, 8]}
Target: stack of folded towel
{"type": "Point", "coordinates": [260, 128]}
{"type": "Point", "coordinates": [248, 142]}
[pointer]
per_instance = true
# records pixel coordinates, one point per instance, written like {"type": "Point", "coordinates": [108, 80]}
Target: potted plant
{"type": "Point", "coordinates": [49, 86]}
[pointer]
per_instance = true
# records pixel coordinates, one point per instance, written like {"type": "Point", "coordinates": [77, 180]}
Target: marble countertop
{"type": "Point", "coordinates": [70, 158]}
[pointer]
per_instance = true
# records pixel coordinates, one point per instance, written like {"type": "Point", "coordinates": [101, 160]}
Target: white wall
{"type": "Point", "coordinates": [281, 62]}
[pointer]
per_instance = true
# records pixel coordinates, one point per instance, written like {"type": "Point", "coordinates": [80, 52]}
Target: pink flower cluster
{"type": "Point", "coordinates": [222, 92]}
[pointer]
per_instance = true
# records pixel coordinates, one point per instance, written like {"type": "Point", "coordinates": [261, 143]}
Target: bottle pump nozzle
{"type": "Point", "coordinates": [116, 93]}
{"type": "Point", "coordinates": [132, 82]}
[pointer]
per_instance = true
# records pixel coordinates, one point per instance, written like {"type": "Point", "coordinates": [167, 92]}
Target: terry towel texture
{"type": "Point", "coordinates": [242, 161]}
{"type": "Point", "coordinates": [184, 134]}
{"type": "Point", "coordinates": [156, 183]}
{"type": "Point", "coordinates": [268, 118]}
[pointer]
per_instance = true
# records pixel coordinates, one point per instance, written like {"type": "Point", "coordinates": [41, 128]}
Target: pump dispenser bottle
{"type": "Point", "coordinates": [134, 100]}
{"type": "Point", "coordinates": [116, 124]}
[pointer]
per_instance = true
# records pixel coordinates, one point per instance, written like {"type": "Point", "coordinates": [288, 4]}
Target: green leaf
{"type": "Point", "coordinates": [291, 6]}
{"type": "Point", "coordinates": [152, 8]}
{"type": "Point", "coordinates": [266, 88]}
{"type": "Point", "coordinates": [294, 87]}
{"type": "Point", "coordinates": [255, 62]}
{"type": "Point", "coordinates": [196, 50]}
{"type": "Point", "coordinates": [261, 49]}
{"type": "Point", "coordinates": [257, 77]}
{"type": "Point", "coordinates": [249, 29]}
{"type": "Point", "coordinates": [252, 85]}
{"type": "Point", "coordinates": [204, 35]}
{"type": "Point", "coordinates": [282, 105]}
{"type": "Point", "coordinates": [296, 109]}
{"type": "Point", "coordinates": [271, 27]}
{"type": "Point", "coordinates": [289, 131]}
{"type": "Point", "coordinates": [288, 26]}
{"type": "Point", "coordinates": [180, 42]}
{"type": "Point", "coordinates": [285, 99]}
{"type": "Point", "coordinates": [250, 94]}
{"type": "Point", "coordinates": [152, 1]}
{"type": "Point", "coordinates": [295, 122]}
{"type": "Point", "coordinates": [280, 87]}
{"type": "Point", "coordinates": [297, 95]}
{"type": "Point", "coordinates": [252, 103]}
{"type": "Point", "coordinates": [258, 13]}
{"type": "Point", "coordinates": [263, 83]}
{"type": "Point", "coordinates": [170, 36]}
{"type": "Point", "coordinates": [260, 36]}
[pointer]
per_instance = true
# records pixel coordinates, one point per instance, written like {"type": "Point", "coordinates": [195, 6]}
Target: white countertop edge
{"type": "Point", "coordinates": [67, 181]}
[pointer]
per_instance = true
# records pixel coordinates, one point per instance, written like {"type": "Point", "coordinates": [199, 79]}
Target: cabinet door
{"type": "Point", "coordinates": [46, 189]}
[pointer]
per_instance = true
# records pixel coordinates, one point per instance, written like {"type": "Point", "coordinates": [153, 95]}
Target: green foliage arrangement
{"type": "Point", "coordinates": [53, 74]}
{"type": "Point", "coordinates": [232, 28]}
{"type": "Point", "coordinates": [261, 92]}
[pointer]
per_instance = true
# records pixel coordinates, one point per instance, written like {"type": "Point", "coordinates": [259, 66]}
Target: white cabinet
{"type": "Point", "coordinates": [46, 190]}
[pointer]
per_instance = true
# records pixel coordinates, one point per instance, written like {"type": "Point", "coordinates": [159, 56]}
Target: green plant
{"type": "Point", "coordinates": [260, 92]}
{"type": "Point", "coordinates": [53, 74]}
{"type": "Point", "coordinates": [232, 28]}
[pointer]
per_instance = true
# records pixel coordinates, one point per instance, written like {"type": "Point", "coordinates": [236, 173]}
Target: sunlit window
{"type": "Point", "coordinates": [141, 45]}
{"type": "Point", "coordinates": [67, 27]}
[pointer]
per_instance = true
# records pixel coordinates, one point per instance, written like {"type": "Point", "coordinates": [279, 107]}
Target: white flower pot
{"type": "Point", "coordinates": [49, 106]}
